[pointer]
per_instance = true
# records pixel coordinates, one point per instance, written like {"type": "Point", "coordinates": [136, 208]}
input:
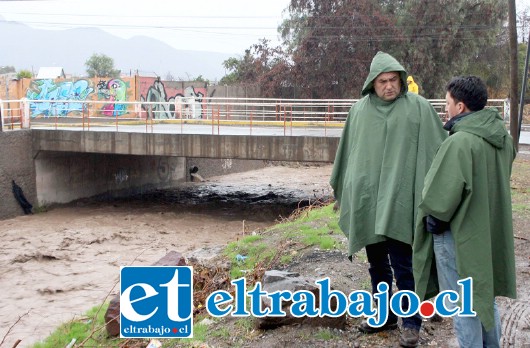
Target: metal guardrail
{"type": "Point", "coordinates": [247, 112]}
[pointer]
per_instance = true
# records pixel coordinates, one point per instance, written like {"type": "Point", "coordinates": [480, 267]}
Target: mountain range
{"type": "Point", "coordinates": [27, 48]}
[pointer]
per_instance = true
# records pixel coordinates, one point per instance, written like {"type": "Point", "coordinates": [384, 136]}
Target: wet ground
{"type": "Point", "coordinates": [265, 202]}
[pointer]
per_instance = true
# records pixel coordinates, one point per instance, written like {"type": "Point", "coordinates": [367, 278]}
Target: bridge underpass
{"type": "Point", "coordinates": [74, 164]}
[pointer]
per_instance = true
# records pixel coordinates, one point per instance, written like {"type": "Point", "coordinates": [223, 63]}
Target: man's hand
{"type": "Point", "coordinates": [435, 226]}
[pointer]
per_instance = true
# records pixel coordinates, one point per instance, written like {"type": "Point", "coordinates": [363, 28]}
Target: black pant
{"type": "Point", "coordinates": [397, 256]}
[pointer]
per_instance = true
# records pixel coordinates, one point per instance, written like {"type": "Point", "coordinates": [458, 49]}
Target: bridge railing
{"type": "Point", "coordinates": [217, 112]}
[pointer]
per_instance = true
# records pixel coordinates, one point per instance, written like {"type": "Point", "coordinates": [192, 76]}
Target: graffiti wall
{"type": "Point", "coordinates": [63, 98]}
{"type": "Point", "coordinates": [115, 91]}
{"type": "Point", "coordinates": [171, 99]}
{"type": "Point", "coordinates": [115, 97]}
{"type": "Point", "coordinates": [54, 94]}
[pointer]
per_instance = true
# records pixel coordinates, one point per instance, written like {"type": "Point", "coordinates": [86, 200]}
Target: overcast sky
{"type": "Point", "coordinates": [228, 26]}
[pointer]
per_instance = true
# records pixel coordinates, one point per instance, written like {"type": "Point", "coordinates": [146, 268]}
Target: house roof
{"type": "Point", "coordinates": [51, 72]}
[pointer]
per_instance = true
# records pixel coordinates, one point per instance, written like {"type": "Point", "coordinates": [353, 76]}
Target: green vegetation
{"type": "Point", "coordinates": [91, 326]}
{"type": "Point", "coordinates": [317, 236]}
{"type": "Point", "coordinates": [520, 208]}
{"type": "Point", "coordinates": [308, 228]}
{"type": "Point", "coordinates": [246, 253]}
{"type": "Point", "coordinates": [40, 209]}
{"type": "Point", "coordinates": [24, 74]}
{"type": "Point", "coordinates": [325, 334]}
{"type": "Point", "coordinates": [285, 259]}
{"type": "Point", "coordinates": [325, 50]}
{"type": "Point", "coordinates": [245, 324]}
{"type": "Point", "coordinates": [520, 187]}
{"type": "Point", "coordinates": [101, 65]}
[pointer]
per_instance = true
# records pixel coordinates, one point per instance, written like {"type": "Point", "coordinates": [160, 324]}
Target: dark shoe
{"type": "Point", "coordinates": [367, 329]}
{"type": "Point", "coordinates": [409, 337]}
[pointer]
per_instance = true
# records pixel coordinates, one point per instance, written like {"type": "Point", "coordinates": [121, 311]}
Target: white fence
{"type": "Point", "coordinates": [19, 114]}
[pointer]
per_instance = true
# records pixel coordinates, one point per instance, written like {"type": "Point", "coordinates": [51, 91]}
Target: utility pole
{"type": "Point", "coordinates": [523, 88]}
{"type": "Point", "coordinates": [514, 107]}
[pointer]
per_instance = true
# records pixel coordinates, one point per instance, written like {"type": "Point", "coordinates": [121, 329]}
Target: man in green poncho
{"type": "Point", "coordinates": [386, 148]}
{"type": "Point", "coordinates": [465, 217]}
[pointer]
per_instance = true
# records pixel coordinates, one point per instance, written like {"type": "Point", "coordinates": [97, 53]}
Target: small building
{"type": "Point", "coordinates": [51, 73]}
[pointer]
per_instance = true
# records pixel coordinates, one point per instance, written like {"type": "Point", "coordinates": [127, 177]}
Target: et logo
{"type": "Point", "coordinates": [156, 302]}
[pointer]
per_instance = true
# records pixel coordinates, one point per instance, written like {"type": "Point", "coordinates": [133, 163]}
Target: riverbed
{"type": "Point", "coordinates": [55, 265]}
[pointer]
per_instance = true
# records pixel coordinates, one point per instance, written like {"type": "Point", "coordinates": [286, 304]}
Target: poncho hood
{"type": "Point", "coordinates": [386, 148]}
{"type": "Point", "coordinates": [384, 62]}
{"type": "Point", "coordinates": [486, 123]}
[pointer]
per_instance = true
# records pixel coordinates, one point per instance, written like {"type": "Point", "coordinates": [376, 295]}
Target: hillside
{"type": "Point", "coordinates": [26, 48]}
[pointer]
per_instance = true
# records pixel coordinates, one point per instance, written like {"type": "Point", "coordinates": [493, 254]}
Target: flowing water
{"type": "Point", "coordinates": [56, 265]}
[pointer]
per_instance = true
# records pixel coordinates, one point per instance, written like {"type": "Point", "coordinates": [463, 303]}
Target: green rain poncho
{"type": "Point", "coordinates": [385, 151]}
{"type": "Point", "coordinates": [468, 185]}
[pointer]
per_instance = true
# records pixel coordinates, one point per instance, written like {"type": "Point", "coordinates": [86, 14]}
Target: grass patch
{"type": "Point", "coordinates": [80, 329]}
{"type": "Point", "coordinates": [333, 225]}
{"type": "Point", "coordinates": [246, 253]}
{"type": "Point", "coordinates": [313, 227]}
{"type": "Point", "coordinates": [521, 207]}
{"type": "Point", "coordinates": [323, 214]}
{"type": "Point", "coordinates": [325, 334]}
{"type": "Point", "coordinates": [285, 259]}
{"type": "Point", "coordinates": [307, 227]}
{"type": "Point", "coordinates": [222, 332]}
{"type": "Point", "coordinates": [245, 324]}
{"type": "Point", "coordinates": [318, 237]}
{"type": "Point", "coordinates": [520, 183]}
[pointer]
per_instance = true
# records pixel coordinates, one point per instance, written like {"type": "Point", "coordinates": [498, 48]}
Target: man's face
{"type": "Point", "coordinates": [452, 107]}
{"type": "Point", "coordinates": [387, 85]}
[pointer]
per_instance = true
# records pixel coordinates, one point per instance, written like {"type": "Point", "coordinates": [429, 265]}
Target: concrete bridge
{"type": "Point", "coordinates": [248, 147]}
{"type": "Point", "coordinates": [63, 165]}
{"type": "Point", "coordinates": [62, 159]}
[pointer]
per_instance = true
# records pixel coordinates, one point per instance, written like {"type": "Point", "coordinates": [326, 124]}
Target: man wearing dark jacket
{"type": "Point", "coordinates": [465, 217]}
{"type": "Point", "coordinates": [386, 148]}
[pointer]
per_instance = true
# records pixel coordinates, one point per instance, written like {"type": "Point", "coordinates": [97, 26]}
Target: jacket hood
{"type": "Point", "coordinates": [384, 62]}
{"type": "Point", "coordinates": [486, 123]}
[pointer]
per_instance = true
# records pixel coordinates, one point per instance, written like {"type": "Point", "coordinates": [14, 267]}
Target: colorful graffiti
{"type": "Point", "coordinates": [187, 103]}
{"type": "Point", "coordinates": [115, 91]}
{"type": "Point", "coordinates": [158, 99]}
{"type": "Point", "coordinates": [53, 93]}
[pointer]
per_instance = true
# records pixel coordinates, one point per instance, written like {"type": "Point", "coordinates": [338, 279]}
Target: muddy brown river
{"type": "Point", "coordinates": [56, 265]}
